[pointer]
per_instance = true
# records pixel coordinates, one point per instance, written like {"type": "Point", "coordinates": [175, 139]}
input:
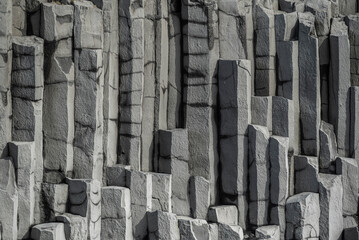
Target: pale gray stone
{"type": "Point", "coordinates": [302, 216]}
{"type": "Point", "coordinates": [199, 193]}
{"type": "Point", "coordinates": [354, 122]}
{"type": "Point", "coordinates": [50, 231]}
{"type": "Point", "coordinates": [323, 14]}
{"type": "Point", "coordinates": [75, 226]}
{"type": "Point", "coordinates": [328, 145]}
{"type": "Point", "coordinates": [261, 110]}
{"type": "Point", "coordinates": [174, 143]}
{"type": "Point", "coordinates": [225, 214]}
{"type": "Point", "coordinates": [241, 202]}
{"type": "Point", "coordinates": [306, 174]}
{"type": "Point", "coordinates": [140, 184]}
{"type": "Point", "coordinates": [190, 228]}
{"type": "Point", "coordinates": [268, 232]}
{"type": "Point", "coordinates": [213, 231]}
{"type": "Point", "coordinates": [231, 232]}
{"type": "Point", "coordinates": [85, 200]}
{"type": "Point", "coordinates": [163, 226]}
{"type": "Point", "coordinates": [88, 25]}
{"type": "Point", "coordinates": [286, 27]}
{"type": "Point", "coordinates": [309, 88]}
{"type": "Point", "coordinates": [23, 156]}
{"type": "Point", "coordinates": [348, 168]}
{"type": "Point", "coordinates": [54, 201]}
{"type": "Point", "coordinates": [339, 84]}
{"type": "Point", "coordinates": [259, 175]}
{"type": "Point", "coordinates": [330, 197]}
{"type": "Point", "coordinates": [161, 192]}
{"type": "Point", "coordinates": [9, 200]}
{"type": "Point", "coordinates": [347, 7]}
{"type": "Point", "coordinates": [116, 219]}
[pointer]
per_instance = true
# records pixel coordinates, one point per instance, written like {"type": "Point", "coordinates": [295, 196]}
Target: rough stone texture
{"type": "Point", "coordinates": [261, 111]}
{"type": "Point", "coordinates": [54, 200]}
{"type": "Point", "coordinates": [302, 216]}
{"type": "Point", "coordinates": [354, 122]}
{"type": "Point", "coordinates": [51, 231]}
{"type": "Point", "coordinates": [85, 200]}
{"type": "Point", "coordinates": [331, 206]}
{"type": "Point", "coordinates": [75, 226]}
{"type": "Point", "coordinates": [116, 219]}
{"type": "Point", "coordinates": [230, 232]}
{"type": "Point", "coordinates": [190, 228]}
{"type": "Point", "coordinates": [163, 225]}
{"type": "Point", "coordinates": [328, 145]}
{"type": "Point", "coordinates": [162, 192]}
{"type": "Point", "coordinates": [348, 168]}
{"type": "Point", "coordinates": [268, 232]}
{"type": "Point", "coordinates": [309, 87]}
{"type": "Point", "coordinates": [199, 197]}
{"type": "Point", "coordinates": [306, 174]}
{"type": "Point", "coordinates": [225, 214]}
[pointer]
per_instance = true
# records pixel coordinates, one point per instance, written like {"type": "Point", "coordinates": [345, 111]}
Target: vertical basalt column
{"type": "Point", "coordinates": [174, 106]}
{"type": "Point", "coordinates": [201, 52]}
{"type": "Point", "coordinates": [339, 84]}
{"type": "Point", "coordinates": [59, 91]}
{"type": "Point", "coordinates": [352, 21]}
{"type": "Point", "coordinates": [265, 75]}
{"type": "Point", "coordinates": [131, 20]}
{"type": "Point", "coordinates": [88, 141]}
{"type": "Point", "coordinates": [111, 80]}
{"type": "Point", "coordinates": [27, 87]}
{"type": "Point", "coordinates": [19, 18]}
{"type": "Point", "coordinates": [234, 83]}
{"type": "Point", "coordinates": [309, 85]}
{"type": "Point", "coordinates": [354, 122]}
{"type": "Point", "coordinates": [5, 73]}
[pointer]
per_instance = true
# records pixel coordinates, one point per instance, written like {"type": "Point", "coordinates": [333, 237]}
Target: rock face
{"type": "Point", "coordinates": [179, 119]}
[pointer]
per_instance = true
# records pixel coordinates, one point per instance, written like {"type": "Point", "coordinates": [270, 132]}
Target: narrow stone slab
{"type": "Point", "coordinates": [348, 168]}
{"type": "Point", "coordinates": [199, 197]}
{"type": "Point", "coordinates": [116, 219]}
{"type": "Point", "coordinates": [51, 231]}
{"type": "Point", "coordinates": [261, 111]}
{"type": "Point", "coordinates": [161, 192]}
{"type": "Point", "coordinates": [328, 145]}
{"type": "Point", "coordinates": [331, 206]}
{"type": "Point", "coordinates": [354, 122]}
{"type": "Point", "coordinates": [54, 201]}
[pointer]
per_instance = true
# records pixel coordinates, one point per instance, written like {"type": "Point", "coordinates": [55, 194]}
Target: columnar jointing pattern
{"type": "Point", "coordinates": [179, 119]}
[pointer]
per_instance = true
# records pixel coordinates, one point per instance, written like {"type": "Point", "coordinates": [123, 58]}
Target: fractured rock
{"type": "Point", "coordinates": [75, 226]}
{"type": "Point", "coordinates": [163, 225]}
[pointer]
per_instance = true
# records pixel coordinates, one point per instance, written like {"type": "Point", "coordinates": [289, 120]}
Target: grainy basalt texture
{"type": "Point", "coordinates": [179, 119]}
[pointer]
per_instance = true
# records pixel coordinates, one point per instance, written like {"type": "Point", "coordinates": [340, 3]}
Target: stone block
{"type": "Point", "coordinates": [268, 232]}
{"type": "Point", "coordinates": [302, 216]}
{"type": "Point", "coordinates": [162, 225]}
{"type": "Point", "coordinates": [286, 27]}
{"type": "Point", "coordinates": [50, 231]}
{"type": "Point", "coordinates": [348, 168]}
{"type": "Point", "coordinates": [190, 228]}
{"type": "Point", "coordinates": [306, 174]}
{"type": "Point", "coordinates": [57, 21]}
{"type": "Point", "coordinates": [174, 143]}
{"type": "Point", "coordinates": [199, 193]}
{"type": "Point", "coordinates": [261, 110]}
{"type": "Point", "coordinates": [225, 214]}
{"type": "Point", "coordinates": [9, 200]}
{"type": "Point", "coordinates": [328, 145]}
{"type": "Point", "coordinates": [85, 200]}
{"type": "Point", "coordinates": [230, 232]}
{"type": "Point", "coordinates": [116, 175]}
{"type": "Point", "coordinates": [354, 122]}
{"type": "Point", "coordinates": [75, 226]}
{"type": "Point", "coordinates": [116, 219]}
{"type": "Point", "coordinates": [331, 206]}
{"type": "Point", "coordinates": [88, 26]}
{"type": "Point", "coordinates": [54, 201]}
{"type": "Point", "coordinates": [162, 192]}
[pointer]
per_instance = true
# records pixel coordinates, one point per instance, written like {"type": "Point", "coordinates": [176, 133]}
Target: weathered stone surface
{"type": "Point", "coordinates": [173, 160]}
{"type": "Point", "coordinates": [261, 111]}
{"type": "Point", "coordinates": [116, 219]}
{"type": "Point", "coordinates": [328, 145]}
{"type": "Point", "coordinates": [354, 122]}
{"type": "Point", "coordinates": [339, 84]}
{"type": "Point", "coordinates": [225, 214]}
{"type": "Point", "coordinates": [330, 197]}
{"type": "Point", "coordinates": [230, 232]}
{"type": "Point", "coordinates": [213, 231]}
{"type": "Point", "coordinates": [75, 226]}
{"type": "Point", "coordinates": [23, 156]}
{"type": "Point", "coordinates": [85, 200]}
{"type": "Point", "coordinates": [259, 175]}
{"type": "Point", "coordinates": [54, 200]}
{"type": "Point", "coordinates": [199, 193]}
{"type": "Point", "coordinates": [162, 225]}
{"type": "Point", "coordinates": [309, 87]}
{"type": "Point", "coordinates": [51, 231]}
{"type": "Point", "coordinates": [268, 232]}
{"type": "Point", "coordinates": [286, 27]}
{"type": "Point", "coordinates": [190, 228]}
{"type": "Point", "coordinates": [140, 184]}
{"type": "Point", "coordinates": [162, 192]}
{"type": "Point", "coordinates": [9, 200]}
{"type": "Point", "coordinates": [131, 81]}
{"type": "Point", "coordinates": [306, 174]}
{"type": "Point", "coordinates": [302, 216]}
{"type": "Point", "coordinates": [348, 168]}
{"type": "Point", "coordinates": [116, 175]}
